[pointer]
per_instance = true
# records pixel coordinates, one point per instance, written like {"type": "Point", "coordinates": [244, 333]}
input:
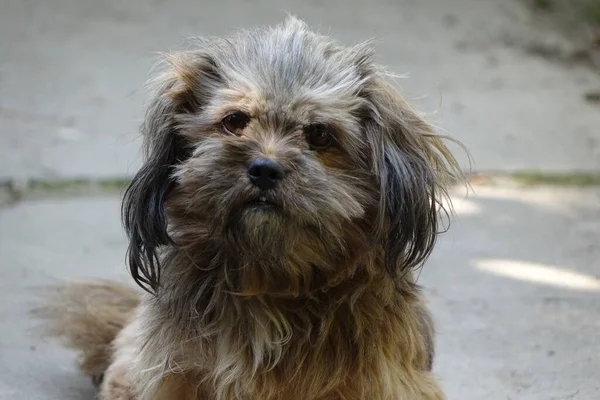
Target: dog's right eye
{"type": "Point", "coordinates": [235, 122]}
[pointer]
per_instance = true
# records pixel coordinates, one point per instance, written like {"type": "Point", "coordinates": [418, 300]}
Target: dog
{"type": "Point", "coordinates": [287, 196]}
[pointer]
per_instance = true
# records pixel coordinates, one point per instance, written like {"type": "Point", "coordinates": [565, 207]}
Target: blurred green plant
{"type": "Point", "coordinates": [593, 12]}
{"type": "Point", "coordinates": [589, 10]}
{"type": "Point", "coordinates": [543, 4]}
{"type": "Point", "coordinates": [10, 193]}
{"type": "Point", "coordinates": [577, 179]}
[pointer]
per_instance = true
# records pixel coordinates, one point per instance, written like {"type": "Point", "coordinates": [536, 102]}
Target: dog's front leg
{"type": "Point", "coordinates": [117, 386]}
{"type": "Point", "coordinates": [133, 373]}
{"type": "Point", "coordinates": [179, 386]}
{"type": "Point", "coordinates": [117, 383]}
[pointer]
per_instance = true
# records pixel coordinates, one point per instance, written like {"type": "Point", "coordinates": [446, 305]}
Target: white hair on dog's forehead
{"type": "Point", "coordinates": [290, 59]}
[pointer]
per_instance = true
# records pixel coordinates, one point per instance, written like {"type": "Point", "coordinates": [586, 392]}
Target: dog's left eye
{"type": "Point", "coordinates": [235, 122]}
{"type": "Point", "coordinates": [318, 136]}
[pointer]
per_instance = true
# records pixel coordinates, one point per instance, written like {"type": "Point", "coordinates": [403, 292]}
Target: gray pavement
{"type": "Point", "coordinates": [514, 284]}
{"type": "Point", "coordinates": [515, 290]}
{"type": "Point", "coordinates": [40, 243]}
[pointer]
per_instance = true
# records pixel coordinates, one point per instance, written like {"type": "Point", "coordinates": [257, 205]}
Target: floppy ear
{"type": "Point", "coordinates": [180, 91]}
{"type": "Point", "coordinates": [413, 167]}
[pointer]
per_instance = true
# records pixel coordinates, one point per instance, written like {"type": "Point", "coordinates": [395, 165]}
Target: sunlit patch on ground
{"type": "Point", "coordinates": [540, 274]}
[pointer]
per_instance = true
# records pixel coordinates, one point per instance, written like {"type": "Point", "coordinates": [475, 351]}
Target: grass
{"type": "Point", "coordinates": [543, 4]}
{"type": "Point", "coordinates": [69, 185]}
{"type": "Point", "coordinates": [593, 12]}
{"type": "Point", "coordinates": [588, 10]}
{"type": "Point", "coordinates": [37, 189]}
{"type": "Point", "coordinates": [579, 179]}
{"type": "Point", "coordinates": [10, 194]}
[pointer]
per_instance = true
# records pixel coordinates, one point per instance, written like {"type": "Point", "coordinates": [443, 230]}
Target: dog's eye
{"type": "Point", "coordinates": [318, 136]}
{"type": "Point", "coordinates": [235, 122]}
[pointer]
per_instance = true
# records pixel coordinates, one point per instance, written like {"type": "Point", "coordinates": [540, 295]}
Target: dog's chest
{"type": "Point", "coordinates": [264, 360]}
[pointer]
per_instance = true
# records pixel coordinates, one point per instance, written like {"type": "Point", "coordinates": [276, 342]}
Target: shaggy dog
{"type": "Point", "coordinates": [287, 196]}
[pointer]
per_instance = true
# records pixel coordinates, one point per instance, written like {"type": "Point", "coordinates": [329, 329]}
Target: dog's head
{"type": "Point", "coordinates": [285, 148]}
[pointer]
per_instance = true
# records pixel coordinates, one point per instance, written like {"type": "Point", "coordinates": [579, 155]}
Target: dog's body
{"type": "Point", "coordinates": [366, 353]}
{"type": "Point", "coordinates": [288, 193]}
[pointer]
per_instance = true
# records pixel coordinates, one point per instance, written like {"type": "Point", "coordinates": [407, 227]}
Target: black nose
{"type": "Point", "coordinates": [264, 173]}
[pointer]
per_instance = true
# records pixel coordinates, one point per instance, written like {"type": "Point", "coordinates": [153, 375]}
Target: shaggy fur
{"type": "Point", "coordinates": [301, 291]}
{"type": "Point", "coordinates": [87, 316]}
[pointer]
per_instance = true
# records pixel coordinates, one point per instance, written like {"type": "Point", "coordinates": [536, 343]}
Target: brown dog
{"type": "Point", "coordinates": [287, 195]}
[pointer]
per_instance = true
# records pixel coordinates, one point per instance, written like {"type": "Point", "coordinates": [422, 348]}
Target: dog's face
{"type": "Point", "coordinates": [275, 154]}
{"type": "Point", "coordinates": [284, 148]}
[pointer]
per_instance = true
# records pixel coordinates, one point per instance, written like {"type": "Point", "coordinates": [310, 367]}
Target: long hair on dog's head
{"type": "Point", "coordinates": [283, 162]}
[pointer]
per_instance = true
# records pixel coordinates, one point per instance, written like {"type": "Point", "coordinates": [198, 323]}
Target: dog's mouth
{"type": "Point", "coordinates": [262, 202]}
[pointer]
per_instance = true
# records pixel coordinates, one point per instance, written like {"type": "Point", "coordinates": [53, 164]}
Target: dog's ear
{"type": "Point", "coordinates": [181, 90]}
{"type": "Point", "coordinates": [413, 167]}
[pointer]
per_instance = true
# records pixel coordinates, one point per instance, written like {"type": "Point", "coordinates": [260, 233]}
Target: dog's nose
{"type": "Point", "coordinates": [265, 173]}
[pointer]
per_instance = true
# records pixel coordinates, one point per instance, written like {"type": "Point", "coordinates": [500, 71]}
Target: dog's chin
{"type": "Point", "coordinates": [261, 219]}
{"type": "Point", "coordinates": [259, 227]}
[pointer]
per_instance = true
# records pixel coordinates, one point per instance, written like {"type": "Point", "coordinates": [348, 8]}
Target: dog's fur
{"type": "Point", "coordinates": [312, 297]}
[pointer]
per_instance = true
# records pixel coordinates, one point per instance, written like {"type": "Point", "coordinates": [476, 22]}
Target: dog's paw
{"type": "Point", "coordinates": [115, 385]}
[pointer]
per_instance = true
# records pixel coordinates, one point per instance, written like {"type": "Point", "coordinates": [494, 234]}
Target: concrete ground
{"type": "Point", "coordinates": [514, 284]}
